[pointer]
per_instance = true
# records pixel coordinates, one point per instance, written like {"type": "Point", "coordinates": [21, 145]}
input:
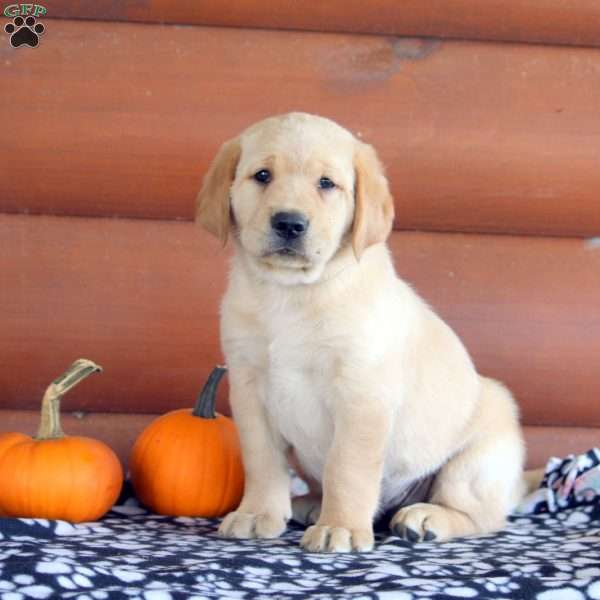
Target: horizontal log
{"type": "Point", "coordinates": [476, 137]}
{"type": "Point", "coordinates": [544, 442]}
{"type": "Point", "coordinates": [141, 298]}
{"type": "Point", "coordinates": [547, 21]}
{"type": "Point", "coordinates": [138, 297]}
{"type": "Point", "coordinates": [527, 310]}
{"type": "Point", "coordinates": [120, 430]}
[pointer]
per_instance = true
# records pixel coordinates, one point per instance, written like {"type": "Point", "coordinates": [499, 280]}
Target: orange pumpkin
{"type": "Point", "coordinates": [54, 476]}
{"type": "Point", "coordinates": [188, 461]}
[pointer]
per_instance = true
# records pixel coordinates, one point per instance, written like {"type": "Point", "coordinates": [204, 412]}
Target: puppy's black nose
{"type": "Point", "coordinates": [289, 225]}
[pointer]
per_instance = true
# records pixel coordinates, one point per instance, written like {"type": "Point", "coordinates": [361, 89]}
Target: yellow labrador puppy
{"type": "Point", "coordinates": [331, 354]}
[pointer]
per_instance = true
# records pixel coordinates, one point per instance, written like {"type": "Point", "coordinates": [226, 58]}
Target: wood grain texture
{"type": "Point", "coordinates": [123, 119]}
{"type": "Point", "coordinates": [547, 21]}
{"type": "Point", "coordinates": [120, 430]}
{"type": "Point", "coordinates": [141, 299]}
{"type": "Point", "coordinates": [544, 442]}
{"type": "Point", "coordinates": [527, 310]}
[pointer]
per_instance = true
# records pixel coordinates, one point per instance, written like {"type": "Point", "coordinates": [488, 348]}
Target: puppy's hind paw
{"type": "Point", "coordinates": [306, 509]}
{"type": "Point", "coordinates": [423, 522]}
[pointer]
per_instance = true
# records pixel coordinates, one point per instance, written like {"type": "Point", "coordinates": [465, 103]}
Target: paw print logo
{"type": "Point", "coordinates": [24, 31]}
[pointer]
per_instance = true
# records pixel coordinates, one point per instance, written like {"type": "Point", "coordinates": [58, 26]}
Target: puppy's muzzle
{"type": "Point", "coordinates": [289, 225]}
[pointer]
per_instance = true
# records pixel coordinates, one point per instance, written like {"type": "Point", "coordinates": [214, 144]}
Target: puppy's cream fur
{"type": "Point", "coordinates": [331, 354]}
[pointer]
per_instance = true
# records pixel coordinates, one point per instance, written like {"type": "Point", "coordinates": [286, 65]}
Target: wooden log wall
{"type": "Point", "coordinates": [491, 142]}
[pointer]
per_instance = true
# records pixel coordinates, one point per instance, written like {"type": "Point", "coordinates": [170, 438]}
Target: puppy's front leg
{"type": "Point", "coordinates": [266, 505]}
{"type": "Point", "coordinates": [351, 481]}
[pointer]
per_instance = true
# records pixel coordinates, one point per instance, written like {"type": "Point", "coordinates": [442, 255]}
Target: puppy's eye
{"type": "Point", "coordinates": [263, 176]}
{"type": "Point", "coordinates": [326, 184]}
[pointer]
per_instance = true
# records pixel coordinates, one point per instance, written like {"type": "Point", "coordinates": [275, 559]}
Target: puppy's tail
{"type": "Point", "coordinates": [532, 479]}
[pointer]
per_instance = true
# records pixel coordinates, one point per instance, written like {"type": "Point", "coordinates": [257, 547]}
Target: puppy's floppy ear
{"type": "Point", "coordinates": [212, 203]}
{"type": "Point", "coordinates": [373, 203]}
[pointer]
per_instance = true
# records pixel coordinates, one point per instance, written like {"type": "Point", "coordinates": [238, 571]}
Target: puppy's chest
{"type": "Point", "coordinates": [299, 386]}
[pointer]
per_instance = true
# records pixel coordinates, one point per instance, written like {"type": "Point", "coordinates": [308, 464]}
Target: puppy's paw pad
{"type": "Point", "coordinates": [420, 523]}
{"type": "Point", "coordinates": [412, 535]}
{"type": "Point", "coordinates": [429, 536]}
{"type": "Point", "coordinates": [243, 525]}
{"type": "Point", "coordinates": [323, 538]}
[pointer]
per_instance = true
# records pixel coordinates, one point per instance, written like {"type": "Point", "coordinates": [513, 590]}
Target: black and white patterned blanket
{"type": "Point", "coordinates": [130, 553]}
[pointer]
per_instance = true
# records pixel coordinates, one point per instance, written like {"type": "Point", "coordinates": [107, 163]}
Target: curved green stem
{"type": "Point", "coordinates": [205, 404]}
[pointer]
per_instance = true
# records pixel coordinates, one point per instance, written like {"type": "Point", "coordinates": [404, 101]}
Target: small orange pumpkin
{"type": "Point", "coordinates": [188, 461]}
{"type": "Point", "coordinates": [54, 476]}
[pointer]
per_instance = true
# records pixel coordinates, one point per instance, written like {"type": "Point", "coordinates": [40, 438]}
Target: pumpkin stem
{"type": "Point", "coordinates": [205, 405]}
{"type": "Point", "coordinates": [50, 416]}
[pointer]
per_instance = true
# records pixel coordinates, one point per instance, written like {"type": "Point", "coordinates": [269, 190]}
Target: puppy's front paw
{"type": "Point", "coordinates": [323, 538]}
{"type": "Point", "coordinates": [244, 525]}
